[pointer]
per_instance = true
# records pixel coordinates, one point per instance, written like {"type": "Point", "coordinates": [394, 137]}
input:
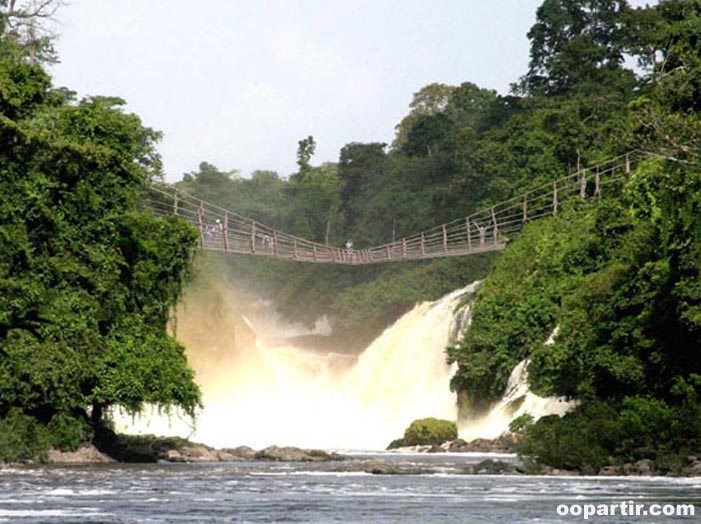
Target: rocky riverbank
{"type": "Point", "coordinates": [151, 449]}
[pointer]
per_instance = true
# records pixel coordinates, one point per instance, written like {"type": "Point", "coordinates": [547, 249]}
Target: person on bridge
{"type": "Point", "coordinates": [349, 248]}
{"type": "Point", "coordinates": [483, 235]}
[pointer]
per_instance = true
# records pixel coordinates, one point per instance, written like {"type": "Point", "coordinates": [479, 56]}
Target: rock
{"type": "Point", "coordinates": [396, 468]}
{"type": "Point", "coordinates": [174, 456]}
{"type": "Point", "coordinates": [502, 444]}
{"type": "Point", "coordinates": [430, 431]}
{"type": "Point", "coordinates": [644, 467]}
{"type": "Point", "coordinates": [200, 453]}
{"type": "Point", "coordinates": [436, 449]}
{"type": "Point", "coordinates": [241, 452]}
{"type": "Point", "coordinates": [87, 454]}
{"type": "Point", "coordinates": [609, 471]}
{"type": "Point", "coordinates": [291, 454]}
{"type": "Point", "coordinates": [456, 445]}
{"type": "Point", "coordinates": [494, 467]}
{"type": "Point", "coordinates": [396, 444]}
{"type": "Point", "coordinates": [696, 467]}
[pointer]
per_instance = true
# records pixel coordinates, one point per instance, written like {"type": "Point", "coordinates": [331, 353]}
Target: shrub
{"type": "Point", "coordinates": [429, 431]}
{"type": "Point", "coordinates": [22, 438]}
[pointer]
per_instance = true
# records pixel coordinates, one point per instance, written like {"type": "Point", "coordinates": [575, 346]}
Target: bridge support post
{"type": "Point", "coordinates": [597, 182]}
{"type": "Point", "coordinates": [226, 231]}
{"type": "Point", "coordinates": [627, 163]}
{"type": "Point", "coordinates": [253, 238]}
{"type": "Point", "coordinates": [275, 243]}
{"type": "Point", "coordinates": [524, 218]}
{"type": "Point", "coordinates": [583, 185]}
{"type": "Point", "coordinates": [200, 223]}
{"type": "Point", "coordinates": [554, 198]}
{"type": "Point", "coordinates": [468, 233]}
{"type": "Point", "coordinates": [496, 227]}
{"type": "Point", "coordinates": [175, 203]}
{"type": "Point", "coordinates": [423, 245]}
{"type": "Point", "coordinates": [445, 239]}
{"type": "Point", "coordinates": [404, 247]}
{"type": "Point", "coordinates": [294, 249]}
{"type": "Point", "coordinates": [389, 253]}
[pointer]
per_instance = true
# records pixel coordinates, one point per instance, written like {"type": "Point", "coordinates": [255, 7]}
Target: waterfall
{"type": "Point", "coordinates": [257, 391]}
{"type": "Point", "coordinates": [517, 400]}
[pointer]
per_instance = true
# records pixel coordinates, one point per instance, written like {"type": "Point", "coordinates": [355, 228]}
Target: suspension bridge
{"type": "Point", "coordinates": [489, 229]}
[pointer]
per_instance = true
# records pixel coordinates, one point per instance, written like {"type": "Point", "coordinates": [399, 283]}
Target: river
{"type": "Point", "coordinates": [255, 492]}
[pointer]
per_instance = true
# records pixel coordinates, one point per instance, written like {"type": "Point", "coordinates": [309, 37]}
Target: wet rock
{"type": "Point", "coordinates": [494, 467]}
{"type": "Point", "coordinates": [609, 471]}
{"type": "Point", "coordinates": [396, 468]}
{"type": "Point", "coordinates": [436, 449]}
{"type": "Point", "coordinates": [87, 454]}
{"type": "Point", "coordinates": [456, 445]}
{"type": "Point", "coordinates": [503, 444]}
{"type": "Point", "coordinates": [291, 454]}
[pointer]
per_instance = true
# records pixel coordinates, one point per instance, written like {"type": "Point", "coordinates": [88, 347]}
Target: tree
{"type": "Point", "coordinates": [305, 152]}
{"type": "Point", "coordinates": [357, 166]}
{"type": "Point", "coordinates": [87, 279]}
{"type": "Point", "coordinates": [27, 24]}
{"type": "Point", "coordinates": [430, 100]}
{"type": "Point", "coordinates": [577, 46]}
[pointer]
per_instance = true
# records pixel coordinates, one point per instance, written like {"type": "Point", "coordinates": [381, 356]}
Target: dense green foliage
{"type": "Point", "coordinates": [620, 278]}
{"type": "Point", "coordinates": [86, 279]}
{"type": "Point", "coordinates": [427, 432]}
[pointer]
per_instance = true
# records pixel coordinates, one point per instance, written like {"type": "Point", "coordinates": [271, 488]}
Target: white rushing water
{"type": "Point", "coordinates": [259, 392]}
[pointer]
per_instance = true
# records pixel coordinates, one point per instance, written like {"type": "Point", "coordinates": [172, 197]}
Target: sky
{"type": "Point", "coordinates": [238, 83]}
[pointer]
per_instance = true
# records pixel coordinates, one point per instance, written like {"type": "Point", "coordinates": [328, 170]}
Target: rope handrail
{"type": "Point", "coordinates": [487, 229]}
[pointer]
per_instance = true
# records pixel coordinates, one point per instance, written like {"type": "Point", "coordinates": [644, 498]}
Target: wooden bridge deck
{"type": "Point", "coordinates": [489, 229]}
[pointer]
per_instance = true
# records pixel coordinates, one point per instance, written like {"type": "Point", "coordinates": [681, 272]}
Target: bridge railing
{"type": "Point", "coordinates": [488, 229]}
{"type": "Point", "coordinates": [491, 228]}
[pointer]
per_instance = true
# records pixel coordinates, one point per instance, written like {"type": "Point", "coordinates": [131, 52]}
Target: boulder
{"type": "Point", "coordinates": [87, 454]}
{"type": "Point", "coordinates": [493, 467]}
{"type": "Point", "coordinates": [241, 452]}
{"type": "Point", "coordinates": [291, 454]}
{"type": "Point", "coordinates": [426, 432]}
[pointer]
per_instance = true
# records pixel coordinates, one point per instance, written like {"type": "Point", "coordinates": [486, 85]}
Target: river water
{"type": "Point", "coordinates": [254, 492]}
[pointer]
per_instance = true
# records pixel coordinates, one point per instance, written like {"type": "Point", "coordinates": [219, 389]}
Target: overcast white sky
{"type": "Point", "coordinates": [238, 82]}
